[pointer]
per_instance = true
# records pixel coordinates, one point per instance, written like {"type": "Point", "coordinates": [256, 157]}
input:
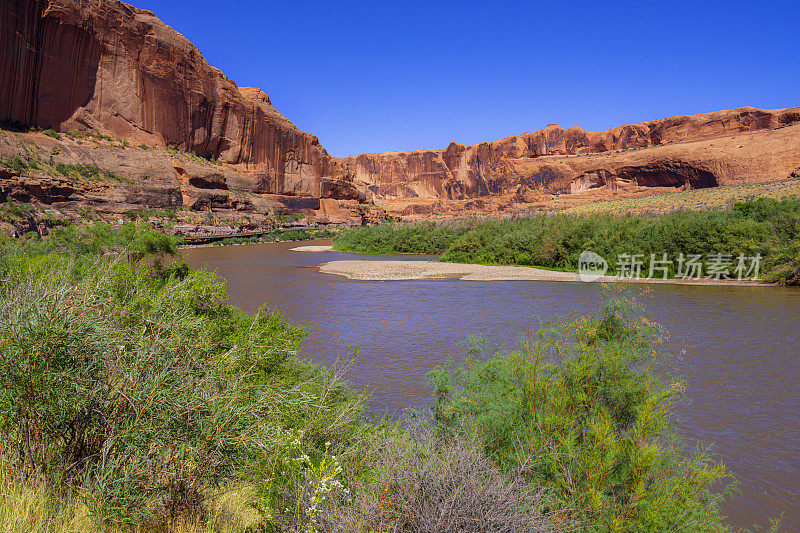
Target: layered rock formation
{"type": "Point", "coordinates": [704, 150]}
{"type": "Point", "coordinates": [104, 65]}
{"type": "Point", "coordinates": [72, 173]}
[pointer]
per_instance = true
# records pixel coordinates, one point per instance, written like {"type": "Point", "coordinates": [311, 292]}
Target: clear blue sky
{"type": "Point", "coordinates": [373, 76]}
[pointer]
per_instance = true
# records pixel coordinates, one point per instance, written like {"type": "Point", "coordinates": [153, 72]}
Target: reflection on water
{"type": "Point", "coordinates": [738, 348]}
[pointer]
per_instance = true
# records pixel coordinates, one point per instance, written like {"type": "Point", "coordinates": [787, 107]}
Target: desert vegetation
{"type": "Point", "coordinates": [708, 198]}
{"type": "Point", "coordinates": [31, 161]}
{"type": "Point", "coordinates": [766, 227]}
{"type": "Point", "coordinates": [129, 391]}
{"type": "Point", "coordinates": [132, 398]}
{"type": "Point", "coordinates": [394, 238]}
{"type": "Point", "coordinates": [13, 212]}
{"type": "Point", "coordinates": [579, 408]}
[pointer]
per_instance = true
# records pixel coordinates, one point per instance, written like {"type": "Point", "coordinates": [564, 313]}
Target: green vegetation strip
{"type": "Point", "coordinates": [710, 198]}
{"type": "Point", "coordinates": [764, 226]}
{"type": "Point", "coordinates": [81, 171]}
{"type": "Point", "coordinates": [133, 398]}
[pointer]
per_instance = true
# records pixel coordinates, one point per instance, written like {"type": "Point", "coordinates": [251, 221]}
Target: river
{"type": "Point", "coordinates": [737, 348]}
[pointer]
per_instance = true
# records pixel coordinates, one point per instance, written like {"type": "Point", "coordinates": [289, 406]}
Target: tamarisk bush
{"type": "Point", "coordinates": [580, 409]}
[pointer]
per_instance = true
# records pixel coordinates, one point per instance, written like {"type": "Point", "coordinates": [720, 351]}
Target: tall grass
{"type": "Point", "coordinates": [134, 391]}
{"type": "Point", "coordinates": [30, 508]}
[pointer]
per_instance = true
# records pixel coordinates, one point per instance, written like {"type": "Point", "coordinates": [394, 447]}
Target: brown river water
{"type": "Point", "coordinates": [737, 348]}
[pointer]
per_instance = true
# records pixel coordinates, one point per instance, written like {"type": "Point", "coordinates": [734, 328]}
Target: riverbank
{"type": "Point", "coordinates": [394, 270]}
{"type": "Point", "coordinates": [367, 270]}
{"type": "Point", "coordinates": [760, 235]}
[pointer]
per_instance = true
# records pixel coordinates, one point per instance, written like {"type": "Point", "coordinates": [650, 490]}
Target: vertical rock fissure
{"type": "Point", "coordinates": [38, 37]}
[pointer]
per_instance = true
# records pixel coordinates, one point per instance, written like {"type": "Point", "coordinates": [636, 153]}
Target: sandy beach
{"type": "Point", "coordinates": [370, 270]}
{"type": "Point", "coordinates": [312, 248]}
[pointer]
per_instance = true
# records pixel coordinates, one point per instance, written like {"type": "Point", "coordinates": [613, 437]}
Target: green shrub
{"type": "Point", "coordinates": [324, 234]}
{"type": "Point", "coordinates": [13, 212]}
{"type": "Point", "coordinates": [127, 396]}
{"type": "Point", "coordinates": [292, 235]}
{"type": "Point", "coordinates": [580, 409]}
{"type": "Point", "coordinates": [18, 163]}
{"type": "Point", "coordinates": [422, 238]}
{"type": "Point", "coordinates": [767, 227]}
{"type": "Point", "coordinates": [136, 387]}
{"type": "Point", "coordinates": [51, 133]}
{"type": "Point", "coordinates": [83, 171]}
{"type": "Point", "coordinates": [88, 172]}
{"type": "Point", "coordinates": [237, 240]}
{"type": "Point", "coordinates": [85, 243]}
{"type": "Point", "coordinates": [289, 217]}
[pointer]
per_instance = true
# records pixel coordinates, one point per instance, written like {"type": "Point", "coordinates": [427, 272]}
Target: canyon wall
{"type": "Point", "coordinates": [106, 66]}
{"type": "Point", "coordinates": [555, 160]}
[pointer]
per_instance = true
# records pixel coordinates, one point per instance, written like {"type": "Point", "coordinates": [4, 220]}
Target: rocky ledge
{"type": "Point", "coordinates": [81, 176]}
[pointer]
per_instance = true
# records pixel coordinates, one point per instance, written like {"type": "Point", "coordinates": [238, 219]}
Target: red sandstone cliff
{"type": "Point", "coordinates": [554, 160]}
{"type": "Point", "coordinates": [105, 65]}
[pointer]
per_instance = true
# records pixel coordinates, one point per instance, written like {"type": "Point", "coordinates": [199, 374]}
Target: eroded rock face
{"type": "Point", "coordinates": [104, 65]}
{"type": "Point", "coordinates": [710, 149]}
{"type": "Point", "coordinates": [128, 180]}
